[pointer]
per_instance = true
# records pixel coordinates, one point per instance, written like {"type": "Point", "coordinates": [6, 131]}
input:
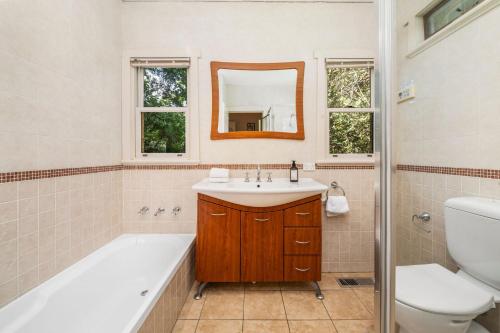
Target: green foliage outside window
{"type": "Point", "coordinates": [165, 87]}
{"type": "Point", "coordinates": [164, 132]}
{"type": "Point", "coordinates": [349, 87]}
{"type": "Point", "coordinates": [350, 132]}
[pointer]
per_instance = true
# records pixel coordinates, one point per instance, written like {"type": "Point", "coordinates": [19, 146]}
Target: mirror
{"type": "Point", "coordinates": [257, 100]}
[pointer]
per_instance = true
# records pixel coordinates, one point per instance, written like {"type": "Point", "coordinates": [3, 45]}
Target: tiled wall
{"type": "Point", "coordinates": [417, 192]}
{"type": "Point", "coordinates": [347, 240]}
{"type": "Point", "coordinates": [163, 316]}
{"type": "Point", "coordinates": [48, 224]}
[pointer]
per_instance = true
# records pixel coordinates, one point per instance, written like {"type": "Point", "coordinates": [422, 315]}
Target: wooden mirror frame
{"type": "Point", "coordinates": [299, 100]}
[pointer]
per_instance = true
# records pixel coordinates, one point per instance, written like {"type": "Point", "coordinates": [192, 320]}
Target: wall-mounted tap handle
{"type": "Point", "coordinates": [269, 179]}
{"type": "Point", "coordinates": [176, 210]}
{"type": "Point", "coordinates": [143, 210]}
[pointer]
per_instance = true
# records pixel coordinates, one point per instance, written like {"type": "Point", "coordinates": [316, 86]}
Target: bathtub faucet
{"type": "Point", "coordinates": [159, 211]}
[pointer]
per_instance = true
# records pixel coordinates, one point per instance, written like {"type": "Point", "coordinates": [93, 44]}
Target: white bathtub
{"type": "Point", "coordinates": [102, 292]}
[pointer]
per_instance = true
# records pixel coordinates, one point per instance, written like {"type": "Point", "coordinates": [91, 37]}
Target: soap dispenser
{"type": "Point", "coordinates": [294, 173]}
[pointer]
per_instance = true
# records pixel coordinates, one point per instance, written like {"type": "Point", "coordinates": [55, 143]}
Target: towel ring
{"type": "Point", "coordinates": [334, 186]}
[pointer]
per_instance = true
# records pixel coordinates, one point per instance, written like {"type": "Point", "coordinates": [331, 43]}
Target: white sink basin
{"type": "Point", "coordinates": [263, 194]}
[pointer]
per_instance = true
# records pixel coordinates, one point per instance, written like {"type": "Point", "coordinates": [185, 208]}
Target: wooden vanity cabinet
{"type": "Point", "coordinates": [237, 243]}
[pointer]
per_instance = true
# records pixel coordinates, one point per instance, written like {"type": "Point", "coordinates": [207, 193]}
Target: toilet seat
{"type": "Point", "coordinates": [432, 288]}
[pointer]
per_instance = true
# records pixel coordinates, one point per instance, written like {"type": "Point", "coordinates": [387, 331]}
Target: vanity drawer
{"type": "Point", "coordinates": [302, 268]}
{"type": "Point", "coordinates": [305, 215]}
{"type": "Point", "coordinates": [302, 240]}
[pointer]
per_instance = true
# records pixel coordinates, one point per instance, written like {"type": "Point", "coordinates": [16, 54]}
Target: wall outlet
{"type": "Point", "coordinates": [309, 166]}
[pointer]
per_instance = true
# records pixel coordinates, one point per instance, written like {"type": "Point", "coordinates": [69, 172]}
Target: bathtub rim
{"type": "Point", "coordinates": [142, 312]}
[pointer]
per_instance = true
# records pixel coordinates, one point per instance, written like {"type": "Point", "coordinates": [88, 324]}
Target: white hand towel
{"type": "Point", "coordinates": [336, 205]}
{"type": "Point", "coordinates": [219, 173]}
{"type": "Point", "coordinates": [218, 180]}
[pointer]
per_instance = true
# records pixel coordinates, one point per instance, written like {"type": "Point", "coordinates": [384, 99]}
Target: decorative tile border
{"type": "Point", "coordinates": [469, 172]}
{"type": "Point", "coordinates": [206, 166]}
{"type": "Point", "coordinates": [8, 177]}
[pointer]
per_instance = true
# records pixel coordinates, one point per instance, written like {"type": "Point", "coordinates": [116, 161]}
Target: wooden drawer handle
{"type": "Point", "coordinates": [261, 220]}
{"type": "Point", "coordinates": [303, 269]}
{"type": "Point", "coordinates": [302, 243]}
{"type": "Point", "coordinates": [218, 214]}
{"type": "Point", "coordinates": [303, 214]}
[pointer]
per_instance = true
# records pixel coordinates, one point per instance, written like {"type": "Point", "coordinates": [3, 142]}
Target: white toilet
{"type": "Point", "coordinates": [432, 299]}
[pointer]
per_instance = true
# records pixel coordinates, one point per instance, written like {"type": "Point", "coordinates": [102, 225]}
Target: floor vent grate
{"type": "Point", "coordinates": [355, 282]}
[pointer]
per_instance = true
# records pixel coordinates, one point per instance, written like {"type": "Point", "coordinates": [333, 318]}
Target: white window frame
{"type": "Point", "coordinates": [354, 57]}
{"type": "Point", "coordinates": [133, 107]}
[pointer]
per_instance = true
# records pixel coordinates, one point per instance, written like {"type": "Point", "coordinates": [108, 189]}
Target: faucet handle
{"type": "Point", "coordinates": [247, 177]}
{"type": "Point", "coordinates": [143, 210]}
{"type": "Point", "coordinates": [269, 179]}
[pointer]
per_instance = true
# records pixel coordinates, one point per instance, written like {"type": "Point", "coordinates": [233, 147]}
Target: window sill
{"type": "Point", "coordinates": [340, 160]}
{"type": "Point", "coordinates": [456, 25]}
{"type": "Point", "coordinates": [159, 162]}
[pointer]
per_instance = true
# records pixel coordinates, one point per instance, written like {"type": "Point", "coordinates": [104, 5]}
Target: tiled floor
{"type": "Point", "coordinates": [279, 308]}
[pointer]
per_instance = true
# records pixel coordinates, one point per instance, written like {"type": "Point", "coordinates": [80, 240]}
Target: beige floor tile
{"type": "Point", "coordinates": [263, 286]}
{"type": "Point", "coordinates": [303, 305]}
{"type": "Point", "coordinates": [265, 326]}
{"type": "Point", "coordinates": [220, 326]}
{"type": "Point", "coordinates": [355, 274]}
{"type": "Point", "coordinates": [192, 307]}
{"type": "Point", "coordinates": [311, 326]}
{"type": "Point", "coordinates": [223, 304]}
{"type": "Point", "coordinates": [296, 286]}
{"type": "Point", "coordinates": [263, 305]}
{"type": "Point", "coordinates": [367, 297]}
{"type": "Point", "coordinates": [329, 282]}
{"type": "Point", "coordinates": [354, 326]}
{"type": "Point", "coordinates": [344, 304]}
{"type": "Point", "coordinates": [185, 326]}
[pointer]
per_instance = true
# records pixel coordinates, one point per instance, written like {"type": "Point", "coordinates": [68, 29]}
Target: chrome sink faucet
{"type": "Point", "coordinates": [258, 180]}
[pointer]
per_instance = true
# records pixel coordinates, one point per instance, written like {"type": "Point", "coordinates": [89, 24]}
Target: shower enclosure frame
{"type": "Point", "coordinates": [385, 86]}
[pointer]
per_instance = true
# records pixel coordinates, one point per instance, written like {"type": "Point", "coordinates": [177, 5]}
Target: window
{"type": "Point", "coordinates": [446, 12]}
{"type": "Point", "coordinates": [162, 107]}
{"type": "Point", "coordinates": [350, 106]}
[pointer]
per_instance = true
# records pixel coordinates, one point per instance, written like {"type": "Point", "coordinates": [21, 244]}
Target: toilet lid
{"type": "Point", "coordinates": [433, 288]}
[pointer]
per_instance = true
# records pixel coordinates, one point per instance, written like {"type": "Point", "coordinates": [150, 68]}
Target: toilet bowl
{"type": "Point", "coordinates": [431, 299]}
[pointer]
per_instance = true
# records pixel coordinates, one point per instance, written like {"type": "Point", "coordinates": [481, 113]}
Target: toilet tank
{"type": "Point", "coordinates": [473, 237]}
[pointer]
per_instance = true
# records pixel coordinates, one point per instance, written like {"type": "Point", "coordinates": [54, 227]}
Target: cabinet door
{"type": "Point", "coordinates": [218, 243]}
{"type": "Point", "coordinates": [262, 246]}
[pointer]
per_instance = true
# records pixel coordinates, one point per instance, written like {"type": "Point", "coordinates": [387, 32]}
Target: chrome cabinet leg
{"type": "Point", "coordinates": [317, 289]}
{"type": "Point", "coordinates": [199, 293]}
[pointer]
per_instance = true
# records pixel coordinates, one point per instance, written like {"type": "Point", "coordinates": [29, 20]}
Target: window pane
{"type": "Point", "coordinates": [351, 133]}
{"type": "Point", "coordinates": [349, 87]}
{"type": "Point", "coordinates": [163, 132]}
{"type": "Point", "coordinates": [165, 87]}
{"type": "Point", "coordinates": [446, 12]}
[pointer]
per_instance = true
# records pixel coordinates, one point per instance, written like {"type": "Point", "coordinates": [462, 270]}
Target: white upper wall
{"type": "Point", "coordinates": [252, 32]}
{"type": "Point", "coordinates": [60, 84]}
{"type": "Point", "coordinates": [455, 119]}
